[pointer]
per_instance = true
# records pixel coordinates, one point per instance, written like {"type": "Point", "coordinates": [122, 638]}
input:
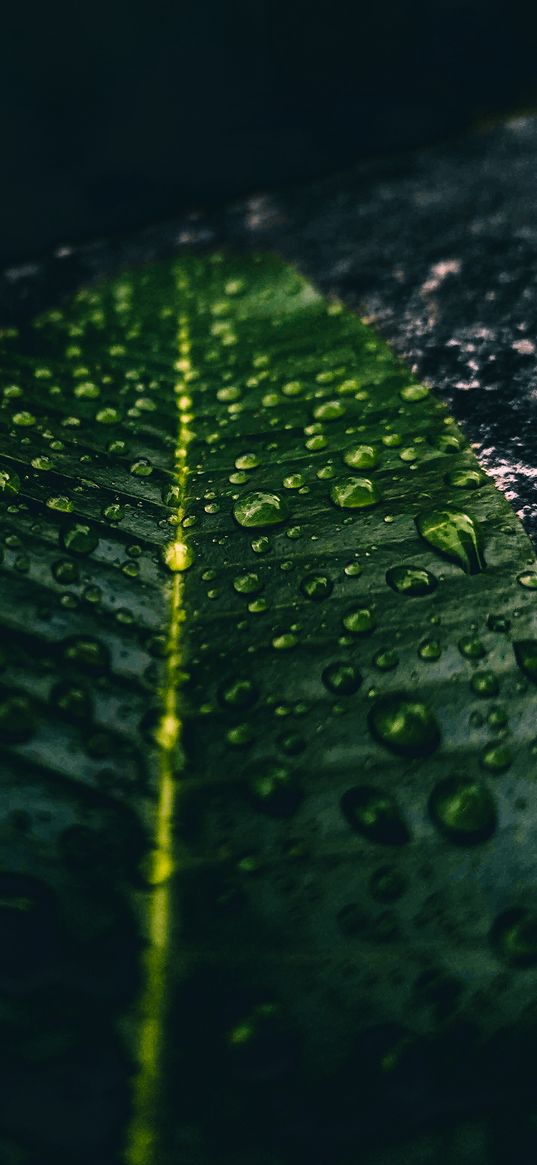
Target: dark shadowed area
{"type": "Point", "coordinates": [117, 115]}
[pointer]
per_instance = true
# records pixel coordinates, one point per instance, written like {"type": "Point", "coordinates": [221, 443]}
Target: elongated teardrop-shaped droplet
{"type": "Point", "coordinates": [260, 509]}
{"type": "Point", "coordinates": [374, 813]}
{"type": "Point", "coordinates": [526, 656]}
{"type": "Point", "coordinates": [404, 725]}
{"type": "Point", "coordinates": [455, 536]}
{"type": "Point", "coordinates": [463, 810]}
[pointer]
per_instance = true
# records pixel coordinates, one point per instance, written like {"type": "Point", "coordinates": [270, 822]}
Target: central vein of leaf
{"type": "Point", "coordinates": [142, 1146]}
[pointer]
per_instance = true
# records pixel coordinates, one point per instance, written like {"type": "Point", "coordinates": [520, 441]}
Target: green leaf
{"type": "Point", "coordinates": [268, 741]}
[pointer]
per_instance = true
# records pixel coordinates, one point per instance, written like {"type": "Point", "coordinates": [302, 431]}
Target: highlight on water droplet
{"type": "Point", "coordinates": [178, 556]}
{"type": "Point", "coordinates": [455, 536]}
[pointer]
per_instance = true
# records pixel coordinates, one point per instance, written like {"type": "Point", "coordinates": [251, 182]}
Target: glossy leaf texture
{"type": "Point", "coordinates": [349, 664]}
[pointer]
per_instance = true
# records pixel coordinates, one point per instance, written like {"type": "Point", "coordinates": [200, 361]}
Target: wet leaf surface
{"type": "Point", "coordinates": [350, 929]}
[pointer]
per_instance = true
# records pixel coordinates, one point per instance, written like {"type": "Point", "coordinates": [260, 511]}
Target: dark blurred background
{"type": "Point", "coordinates": [116, 115]}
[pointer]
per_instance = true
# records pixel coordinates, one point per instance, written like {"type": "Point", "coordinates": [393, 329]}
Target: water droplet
{"type": "Point", "coordinates": [471, 647]}
{"type": "Point", "coordinates": [329, 410]}
{"type": "Point", "coordinates": [430, 649]}
{"type": "Point", "coordinates": [87, 652]}
{"type": "Point", "coordinates": [274, 789]}
{"type": "Point", "coordinates": [17, 717]}
{"type": "Point", "coordinates": [386, 659]}
{"type": "Point", "coordinates": [387, 884]}
{"type": "Point", "coordinates": [465, 478]}
{"type": "Point", "coordinates": [248, 584]}
{"type": "Point", "coordinates": [343, 679]}
{"type": "Point", "coordinates": [414, 393]}
{"type": "Point", "coordinates": [526, 656]}
{"type": "Point", "coordinates": [374, 814]}
{"type": "Point", "coordinates": [496, 757]}
{"type": "Point", "coordinates": [453, 535]}
{"type": "Point", "coordinates": [142, 467]}
{"type": "Point", "coordinates": [528, 579]}
{"type": "Point", "coordinates": [404, 725]}
{"type": "Point", "coordinates": [360, 621]}
{"type": "Point", "coordinates": [463, 810]}
{"type": "Point", "coordinates": [24, 420]}
{"type": "Point", "coordinates": [247, 461]}
{"type": "Point", "coordinates": [238, 693]}
{"type": "Point", "coordinates": [513, 935]}
{"type": "Point", "coordinates": [259, 509]}
{"type": "Point", "coordinates": [109, 416]}
{"type": "Point", "coordinates": [413, 581]}
{"type": "Point", "coordinates": [178, 556]}
{"type": "Point", "coordinates": [316, 587]}
{"type": "Point", "coordinates": [484, 683]}
{"type": "Point", "coordinates": [60, 502]}
{"type": "Point", "coordinates": [354, 493]}
{"type": "Point", "coordinates": [9, 481]}
{"type": "Point", "coordinates": [499, 623]}
{"type": "Point", "coordinates": [80, 538]}
{"type": "Point", "coordinates": [65, 571]}
{"type": "Point", "coordinates": [361, 457]}
{"type": "Point", "coordinates": [72, 700]}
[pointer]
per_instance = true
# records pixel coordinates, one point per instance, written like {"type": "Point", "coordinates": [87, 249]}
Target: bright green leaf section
{"type": "Point", "coordinates": [267, 706]}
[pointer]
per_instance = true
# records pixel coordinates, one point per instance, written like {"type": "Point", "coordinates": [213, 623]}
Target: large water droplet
{"type": "Point", "coordinates": [374, 814]}
{"type": "Point", "coordinates": [455, 536]}
{"type": "Point", "coordinates": [404, 725]}
{"type": "Point", "coordinates": [463, 810]}
{"type": "Point", "coordinates": [259, 509]}
{"type": "Point", "coordinates": [413, 581]}
{"type": "Point", "coordinates": [354, 493]}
